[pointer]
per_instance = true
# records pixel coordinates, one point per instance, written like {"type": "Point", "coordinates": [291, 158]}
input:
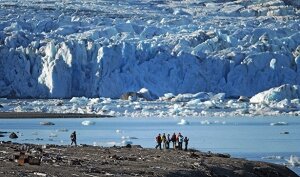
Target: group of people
{"type": "Point", "coordinates": [177, 141]}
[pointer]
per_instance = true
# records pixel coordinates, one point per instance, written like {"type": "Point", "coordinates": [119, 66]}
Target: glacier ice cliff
{"type": "Point", "coordinates": [75, 48]}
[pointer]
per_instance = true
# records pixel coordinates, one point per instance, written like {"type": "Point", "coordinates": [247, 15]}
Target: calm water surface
{"type": "Point", "coordinates": [247, 137]}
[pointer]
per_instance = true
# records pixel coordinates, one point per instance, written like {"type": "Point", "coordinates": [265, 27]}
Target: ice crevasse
{"type": "Point", "coordinates": [236, 48]}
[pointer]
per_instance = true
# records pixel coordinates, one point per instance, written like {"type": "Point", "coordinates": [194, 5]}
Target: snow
{"type": "Point", "coordinates": [93, 49]}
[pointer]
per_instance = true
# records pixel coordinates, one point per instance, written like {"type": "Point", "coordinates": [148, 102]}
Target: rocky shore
{"type": "Point", "coordinates": [83, 160]}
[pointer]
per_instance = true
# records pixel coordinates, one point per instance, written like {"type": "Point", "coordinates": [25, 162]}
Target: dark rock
{"type": "Point", "coordinates": [128, 146]}
{"type": "Point", "coordinates": [266, 171]}
{"type": "Point", "coordinates": [1, 106]}
{"type": "Point", "coordinates": [72, 162]}
{"type": "Point", "coordinates": [132, 158]}
{"type": "Point", "coordinates": [137, 146]}
{"type": "Point", "coordinates": [223, 155]}
{"type": "Point", "coordinates": [193, 155]}
{"type": "Point", "coordinates": [13, 135]}
{"type": "Point", "coordinates": [34, 160]}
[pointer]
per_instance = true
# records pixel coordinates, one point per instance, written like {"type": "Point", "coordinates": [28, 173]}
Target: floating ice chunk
{"type": "Point", "coordinates": [94, 101]}
{"type": "Point", "coordinates": [273, 157]}
{"type": "Point", "coordinates": [47, 123]}
{"type": "Point", "coordinates": [193, 102]}
{"type": "Point", "coordinates": [205, 122]}
{"type": "Point", "coordinates": [277, 94]}
{"type": "Point", "coordinates": [278, 123]}
{"type": "Point", "coordinates": [167, 96]}
{"type": "Point", "coordinates": [62, 130]}
{"type": "Point", "coordinates": [118, 131]}
{"type": "Point", "coordinates": [79, 100]}
{"type": "Point", "coordinates": [145, 93]}
{"type": "Point", "coordinates": [293, 161]}
{"type": "Point", "coordinates": [88, 122]}
{"type": "Point", "coordinates": [53, 135]}
{"type": "Point", "coordinates": [183, 122]}
{"type": "Point", "coordinates": [94, 143]}
{"type": "Point", "coordinates": [187, 97]}
{"type": "Point", "coordinates": [180, 12]}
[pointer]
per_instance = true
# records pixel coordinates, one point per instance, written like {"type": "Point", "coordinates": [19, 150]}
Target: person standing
{"type": "Point", "coordinates": [173, 139]}
{"type": "Point", "coordinates": [164, 140]}
{"type": "Point", "coordinates": [158, 141]}
{"type": "Point", "coordinates": [186, 142]}
{"type": "Point", "coordinates": [73, 138]}
{"type": "Point", "coordinates": [168, 141]}
{"type": "Point", "coordinates": [180, 141]}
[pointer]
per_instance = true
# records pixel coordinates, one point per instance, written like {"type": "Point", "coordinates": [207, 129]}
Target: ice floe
{"type": "Point", "coordinates": [183, 122]}
{"type": "Point", "coordinates": [88, 122]}
{"type": "Point", "coordinates": [47, 123]}
{"type": "Point", "coordinates": [279, 123]}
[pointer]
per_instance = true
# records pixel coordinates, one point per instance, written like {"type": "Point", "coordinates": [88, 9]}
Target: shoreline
{"type": "Point", "coordinates": [34, 115]}
{"type": "Point", "coordinates": [86, 160]}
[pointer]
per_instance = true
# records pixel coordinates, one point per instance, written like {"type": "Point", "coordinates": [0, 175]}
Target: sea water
{"type": "Point", "coordinates": [253, 138]}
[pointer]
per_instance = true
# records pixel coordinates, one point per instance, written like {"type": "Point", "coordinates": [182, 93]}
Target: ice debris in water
{"type": "Point", "coordinates": [278, 123]}
{"type": "Point", "coordinates": [47, 123]}
{"type": "Point", "coordinates": [293, 161]}
{"type": "Point", "coordinates": [88, 122]}
{"type": "Point", "coordinates": [183, 122]}
{"type": "Point", "coordinates": [273, 157]}
{"type": "Point", "coordinates": [205, 122]}
{"type": "Point", "coordinates": [53, 135]}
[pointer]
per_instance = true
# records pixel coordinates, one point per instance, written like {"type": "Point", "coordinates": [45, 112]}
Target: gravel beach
{"type": "Point", "coordinates": [84, 160]}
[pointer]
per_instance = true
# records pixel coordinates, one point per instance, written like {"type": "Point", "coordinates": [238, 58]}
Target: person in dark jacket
{"type": "Point", "coordinates": [186, 142]}
{"type": "Point", "coordinates": [73, 138]}
{"type": "Point", "coordinates": [173, 139]}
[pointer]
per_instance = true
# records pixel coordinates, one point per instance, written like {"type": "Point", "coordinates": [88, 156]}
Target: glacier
{"type": "Point", "coordinates": [98, 48]}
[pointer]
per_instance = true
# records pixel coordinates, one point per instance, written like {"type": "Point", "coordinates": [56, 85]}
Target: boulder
{"type": "Point", "coordinates": [13, 135]}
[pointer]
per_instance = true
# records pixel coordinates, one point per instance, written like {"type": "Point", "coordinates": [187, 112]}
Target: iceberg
{"type": "Point", "coordinates": [278, 123]}
{"type": "Point", "coordinates": [183, 122]}
{"type": "Point", "coordinates": [88, 122]}
{"type": "Point", "coordinates": [277, 94]}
